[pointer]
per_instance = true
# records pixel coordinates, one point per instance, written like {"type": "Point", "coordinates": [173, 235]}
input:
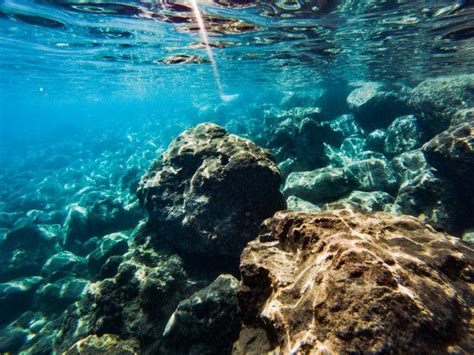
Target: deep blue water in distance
{"type": "Point", "coordinates": [91, 92]}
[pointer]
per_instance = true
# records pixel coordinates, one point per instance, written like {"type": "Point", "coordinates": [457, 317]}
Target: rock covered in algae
{"type": "Point", "coordinates": [210, 190]}
{"type": "Point", "coordinates": [344, 281]}
{"type": "Point", "coordinates": [193, 327]}
{"type": "Point", "coordinates": [443, 101]}
{"type": "Point", "coordinates": [452, 153]}
{"type": "Point", "coordinates": [104, 344]}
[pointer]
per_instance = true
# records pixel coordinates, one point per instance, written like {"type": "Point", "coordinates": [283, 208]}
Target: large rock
{"type": "Point", "coordinates": [25, 250]}
{"type": "Point", "coordinates": [193, 327]}
{"type": "Point", "coordinates": [452, 153]}
{"type": "Point", "coordinates": [343, 281]}
{"type": "Point", "coordinates": [320, 185]}
{"type": "Point", "coordinates": [376, 106]}
{"type": "Point", "coordinates": [210, 190]}
{"type": "Point", "coordinates": [443, 101]}
{"type": "Point", "coordinates": [137, 298]}
{"type": "Point", "coordinates": [16, 296]}
{"type": "Point", "coordinates": [403, 134]}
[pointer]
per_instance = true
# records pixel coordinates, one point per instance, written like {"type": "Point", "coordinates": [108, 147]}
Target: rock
{"type": "Point", "coordinates": [452, 154]}
{"type": "Point", "coordinates": [76, 228]}
{"type": "Point", "coordinates": [468, 237]}
{"type": "Point", "coordinates": [352, 147]}
{"type": "Point", "coordinates": [16, 297]}
{"type": "Point", "coordinates": [192, 328]}
{"type": "Point", "coordinates": [344, 281]}
{"type": "Point", "coordinates": [8, 219]}
{"type": "Point", "coordinates": [375, 106]}
{"type": "Point", "coordinates": [104, 344]}
{"type": "Point", "coordinates": [309, 147]}
{"type": "Point", "coordinates": [24, 251]}
{"type": "Point", "coordinates": [296, 204]}
{"type": "Point", "coordinates": [55, 297]}
{"type": "Point", "coordinates": [373, 175]}
{"type": "Point", "coordinates": [376, 140]}
{"type": "Point", "coordinates": [110, 245]}
{"type": "Point", "coordinates": [12, 339]}
{"type": "Point", "coordinates": [63, 264]}
{"type": "Point", "coordinates": [362, 201]}
{"type": "Point", "coordinates": [438, 101]}
{"type": "Point", "coordinates": [320, 185]}
{"type": "Point", "coordinates": [346, 125]}
{"type": "Point", "coordinates": [138, 299]}
{"type": "Point", "coordinates": [409, 165]}
{"type": "Point", "coordinates": [107, 215]}
{"type": "Point", "coordinates": [403, 134]}
{"type": "Point", "coordinates": [210, 190]}
{"type": "Point", "coordinates": [432, 199]}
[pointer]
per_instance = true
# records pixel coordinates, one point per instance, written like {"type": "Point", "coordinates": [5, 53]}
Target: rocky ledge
{"type": "Point", "coordinates": [348, 282]}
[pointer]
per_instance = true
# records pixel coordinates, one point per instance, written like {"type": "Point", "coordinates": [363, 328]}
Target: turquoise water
{"type": "Point", "coordinates": [91, 92]}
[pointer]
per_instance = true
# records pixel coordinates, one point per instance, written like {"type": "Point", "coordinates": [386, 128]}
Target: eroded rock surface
{"type": "Point", "coordinates": [352, 282]}
{"type": "Point", "coordinates": [444, 101]}
{"type": "Point", "coordinates": [210, 190]}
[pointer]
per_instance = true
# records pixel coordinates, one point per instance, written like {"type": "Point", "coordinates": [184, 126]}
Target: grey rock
{"type": "Point", "coordinates": [55, 297]}
{"type": "Point", "coordinates": [362, 201]}
{"type": "Point", "coordinates": [403, 134]}
{"type": "Point", "coordinates": [376, 140]}
{"type": "Point", "coordinates": [297, 204]}
{"type": "Point", "coordinates": [76, 227]}
{"type": "Point", "coordinates": [376, 106]}
{"type": "Point", "coordinates": [346, 125]}
{"type": "Point", "coordinates": [25, 250]}
{"type": "Point", "coordinates": [12, 339]}
{"type": "Point", "coordinates": [373, 175]}
{"type": "Point", "coordinates": [16, 297]}
{"type": "Point", "coordinates": [441, 102]}
{"type": "Point", "coordinates": [110, 245]}
{"type": "Point", "coordinates": [320, 185]}
{"type": "Point", "coordinates": [63, 264]}
{"type": "Point", "coordinates": [452, 154]}
{"type": "Point", "coordinates": [205, 323]}
{"type": "Point", "coordinates": [210, 190]}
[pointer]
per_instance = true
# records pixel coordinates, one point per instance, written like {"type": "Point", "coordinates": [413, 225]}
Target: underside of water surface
{"type": "Point", "coordinates": [236, 176]}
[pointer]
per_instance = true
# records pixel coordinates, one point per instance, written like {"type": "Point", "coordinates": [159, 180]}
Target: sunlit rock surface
{"type": "Point", "coordinates": [104, 344]}
{"type": "Point", "coordinates": [443, 101]}
{"type": "Point", "coordinates": [343, 281]}
{"type": "Point", "coordinates": [210, 190]}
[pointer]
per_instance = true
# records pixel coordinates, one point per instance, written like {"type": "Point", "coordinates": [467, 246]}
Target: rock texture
{"type": "Point", "coordinates": [192, 328]}
{"type": "Point", "coordinates": [210, 190]}
{"type": "Point", "coordinates": [452, 153]}
{"type": "Point", "coordinates": [105, 344]}
{"type": "Point", "coordinates": [443, 101]}
{"type": "Point", "coordinates": [347, 282]}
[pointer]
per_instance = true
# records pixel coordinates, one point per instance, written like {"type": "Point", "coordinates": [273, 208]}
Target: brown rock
{"type": "Point", "coordinates": [352, 282]}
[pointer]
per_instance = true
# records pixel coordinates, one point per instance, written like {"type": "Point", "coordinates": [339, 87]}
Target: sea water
{"type": "Point", "coordinates": [91, 92]}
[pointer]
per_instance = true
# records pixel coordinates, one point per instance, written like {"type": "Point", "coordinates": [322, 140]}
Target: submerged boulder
{"type": "Point", "coordinates": [452, 153]}
{"type": "Point", "coordinates": [403, 134]}
{"type": "Point", "coordinates": [443, 101]}
{"type": "Point", "coordinates": [210, 190]}
{"type": "Point", "coordinates": [344, 281]}
{"type": "Point", "coordinates": [320, 185]}
{"type": "Point", "coordinates": [25, 249]}
{"type": "Point", "coordinates": [193, 327]}
{"type": "Point", "coordinates": [376, 106]}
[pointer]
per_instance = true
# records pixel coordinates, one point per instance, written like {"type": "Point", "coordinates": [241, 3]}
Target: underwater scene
{"type": "Point", "coordinates": [236, 177]}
